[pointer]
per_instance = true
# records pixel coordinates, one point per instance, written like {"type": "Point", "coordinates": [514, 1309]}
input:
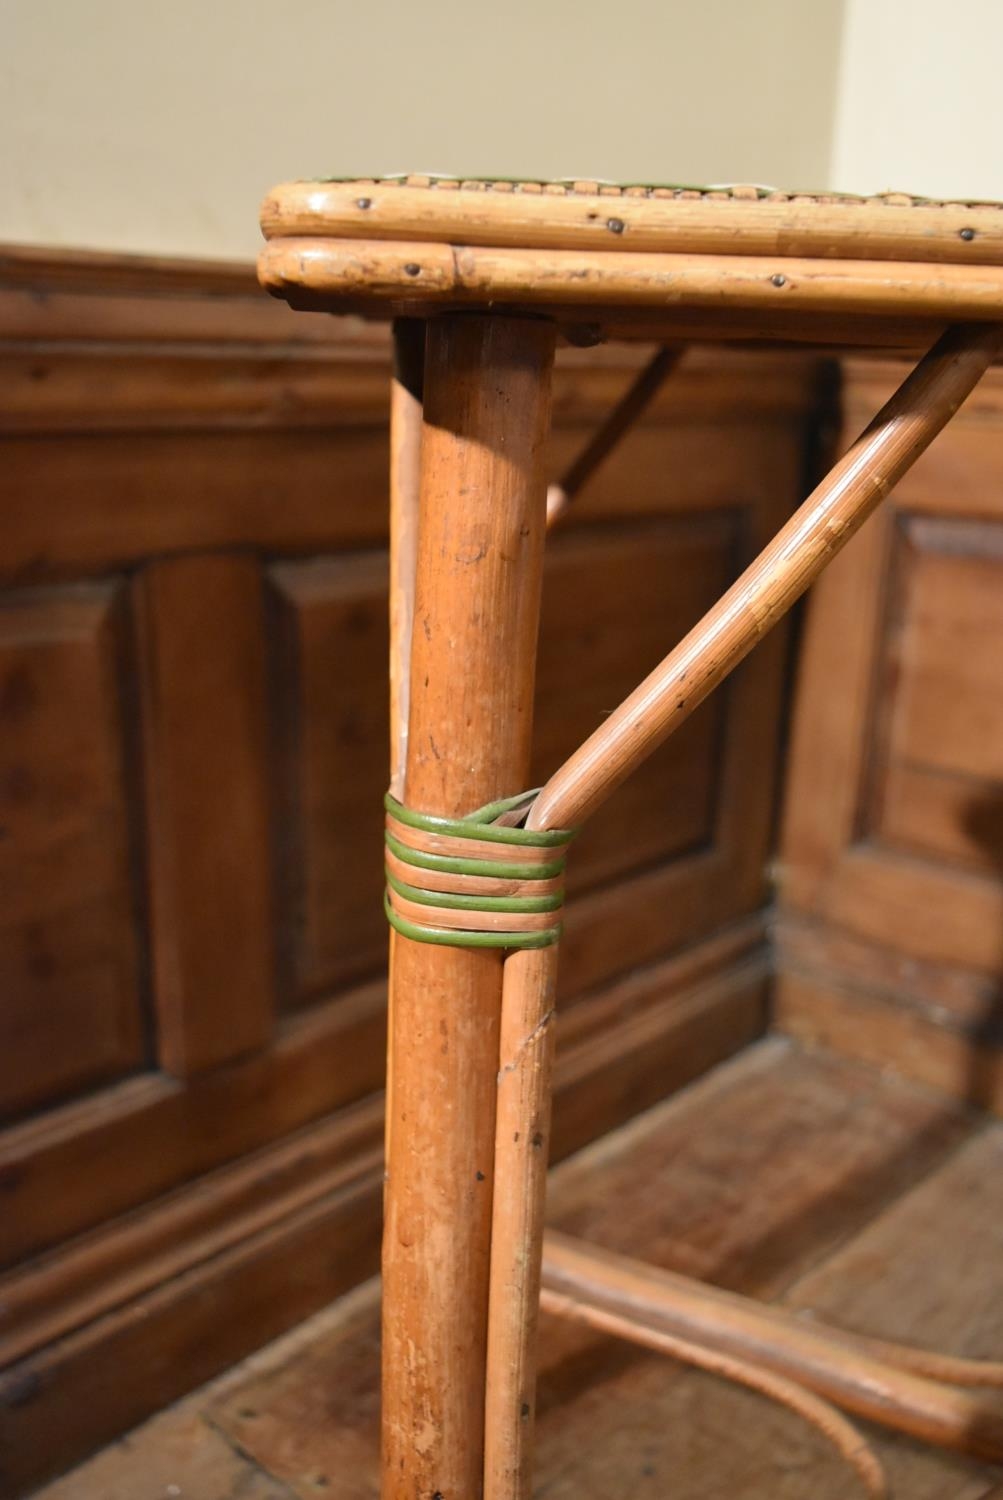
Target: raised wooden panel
{"type": "Point", "coordinates": [71, 965]}
{"type": "Point", "coordinates": [614, 602]}
{"type": "Point", "coordinates": [943, 815]}
{"type": "Point", "coordinates": [943, 779]}
{"type": "Point", "coordinates": [208, 808]}
{"type": "Point", "coordinates": [949, 704]}
{"type": "Point", "coordinates": [615, 599]}
{"type": "Point", "coordinates": [894, 820]}
{"type": "Point", "coordinates": [329, 660]}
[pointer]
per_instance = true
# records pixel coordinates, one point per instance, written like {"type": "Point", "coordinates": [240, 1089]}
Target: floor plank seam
{"type": "Point", "coordinates": [245, 1455]}
{"type": "Point", "coordinates": [948, 1152]}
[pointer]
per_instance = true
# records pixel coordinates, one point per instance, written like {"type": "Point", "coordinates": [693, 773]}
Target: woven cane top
{"type": "Point", "coordinates": [642, 261]}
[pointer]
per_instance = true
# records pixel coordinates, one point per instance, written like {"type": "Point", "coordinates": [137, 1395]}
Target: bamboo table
{"type": "Point", "coordinates": [482, 279]}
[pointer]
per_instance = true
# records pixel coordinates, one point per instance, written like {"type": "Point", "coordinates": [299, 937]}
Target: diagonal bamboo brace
{"type": "Point", "coordinates": [628, 409]}
{"type": "Point", "coordinates": [831, 515]}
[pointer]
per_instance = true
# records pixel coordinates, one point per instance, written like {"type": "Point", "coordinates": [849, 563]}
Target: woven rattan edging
{"type": "Point", "coordinates": [717, 192]}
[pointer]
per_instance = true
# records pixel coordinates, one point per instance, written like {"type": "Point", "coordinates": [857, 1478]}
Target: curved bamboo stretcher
{"type": "Point", "coordinates": [462, 1272]}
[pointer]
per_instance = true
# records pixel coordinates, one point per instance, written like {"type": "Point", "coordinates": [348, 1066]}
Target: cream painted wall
{"type": "Point", "coordinates": [920, 104]}
{"type": "Point", "coordinates": [132, 126]}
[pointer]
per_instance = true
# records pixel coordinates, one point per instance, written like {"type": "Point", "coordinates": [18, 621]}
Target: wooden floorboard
{"type": "Point", "coordinates": [927, 1271]}
{"type": "Point", "coordinates": [178, 1454]}
{"type": "Point", "coordinates": [778, 1174]}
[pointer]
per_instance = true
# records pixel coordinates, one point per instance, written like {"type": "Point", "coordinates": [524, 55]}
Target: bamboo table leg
{"type": "Point", "coordinates": [522, 1148]}
{"type": "Point", "coordinates": [476, 613]}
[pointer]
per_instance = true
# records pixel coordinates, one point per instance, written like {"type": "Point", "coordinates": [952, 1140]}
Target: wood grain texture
{"type": "Point", "coordinates": [962, 1063]}
{"type": "Point", "coordinates": [53, 1297]}
{"type": "Point", "coordinates": [925, 1269]}
{"type": "Point", "coordinates": [72, 978]}
{"type": "Point", "coordinates": [255, 1289]}
{"type": "Point", "coordinates": [672, 1188]}
{"type": "Point", "coordinates": [206, 734]}
{"type": "Point", "coordinates": [328, 659]}
{"type": "Point", "coordinates": [151, 1133]}
{"type": "Point", "coordinates": [891, 943]}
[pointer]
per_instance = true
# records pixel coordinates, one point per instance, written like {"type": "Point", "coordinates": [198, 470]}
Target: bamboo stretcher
{"type": "Point", "coordinates": [485, 277]}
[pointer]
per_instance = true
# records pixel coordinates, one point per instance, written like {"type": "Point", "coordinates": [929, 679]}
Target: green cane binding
{"type": "Point", "coordinates": [481, 825]}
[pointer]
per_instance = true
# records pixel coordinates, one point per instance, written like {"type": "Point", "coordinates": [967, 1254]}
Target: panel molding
{"type": "Point", "coordinates": [208, 807]}
{"type": "Point", "coordinates": [890, 875]}
{"type": "Point", "coordinates": [72, 966]}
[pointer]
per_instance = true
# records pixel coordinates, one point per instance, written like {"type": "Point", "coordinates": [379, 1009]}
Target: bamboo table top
{"type": "Point", "coordinates": [636, 262]}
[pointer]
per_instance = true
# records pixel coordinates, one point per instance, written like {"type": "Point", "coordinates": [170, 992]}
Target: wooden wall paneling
{"type": "Point", "coordinates": [201, 623]}
{"type": "Point", "coordinates": [941, 781]}
{"type": "Point", "coordinates": [941, 915]}
{"type": "Point", "coordinates": [120, 486]}
{"type": "Point", "coordinates": [79, 1392]}
{"type": "Point", "coordinates": [615, 1029]}
{"type": "Point", "coordinates": [329, 670]}
{"type": "Point", "coordinates": [835, 685]}
{"type": "Point", "coordinates": [948, 816]}
{"type": "Point", "coordinates": [154, 1132]}
{"type": "Point", "coordinates": [184, 1287]}
{"type": "Point", "coordinates": [822, 1009]}
{"type": "Point", "coordinates": [961, 474]}
{"type": "Point", "coordinates": [630, 617]}
{"type": "Point", "coordinates": [893, 831]}
{"type": "Point", "coordinates": [168, 426]}
{"type": "Point", "coordinates": [693, 830]}
{"type": "Point", "coordinates": [55, 1295]}
{"type": "Point", "coordinates": [114, 499]}
{"type": "Point", "coordinates": [72, 967]}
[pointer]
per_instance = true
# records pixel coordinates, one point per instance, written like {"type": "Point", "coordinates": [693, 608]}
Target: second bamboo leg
{"type": "Point", "coordinates": [522, 1143]}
